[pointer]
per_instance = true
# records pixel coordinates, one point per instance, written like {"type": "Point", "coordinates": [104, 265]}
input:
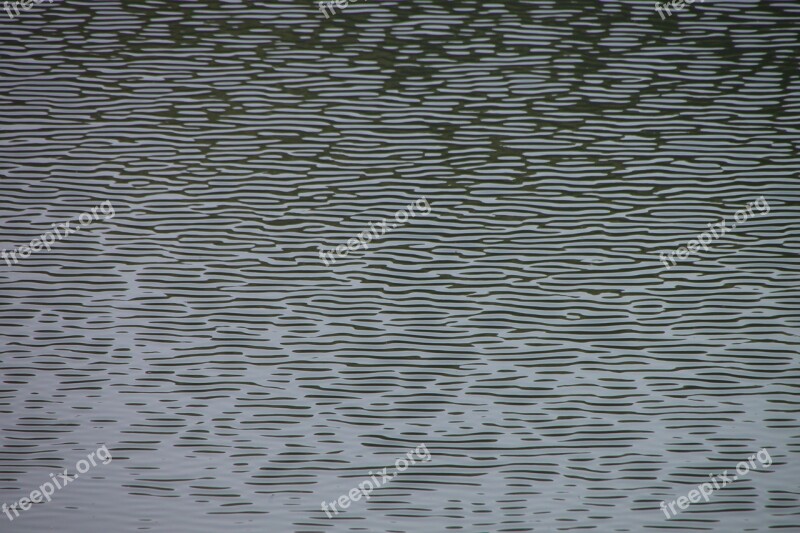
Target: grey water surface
{"type": "Point", "coordinates": [525, 329]}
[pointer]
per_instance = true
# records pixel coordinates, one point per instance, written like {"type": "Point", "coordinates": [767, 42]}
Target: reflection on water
{"type": "Point", "coordinates": [525, 329]}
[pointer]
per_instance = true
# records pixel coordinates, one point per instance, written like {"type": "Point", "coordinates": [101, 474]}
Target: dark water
{"type": "Point", "coordinates": [524, 330]}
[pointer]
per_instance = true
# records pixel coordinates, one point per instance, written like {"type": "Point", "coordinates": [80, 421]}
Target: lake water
{"type": "Point", "coordinates": [525, 330]}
